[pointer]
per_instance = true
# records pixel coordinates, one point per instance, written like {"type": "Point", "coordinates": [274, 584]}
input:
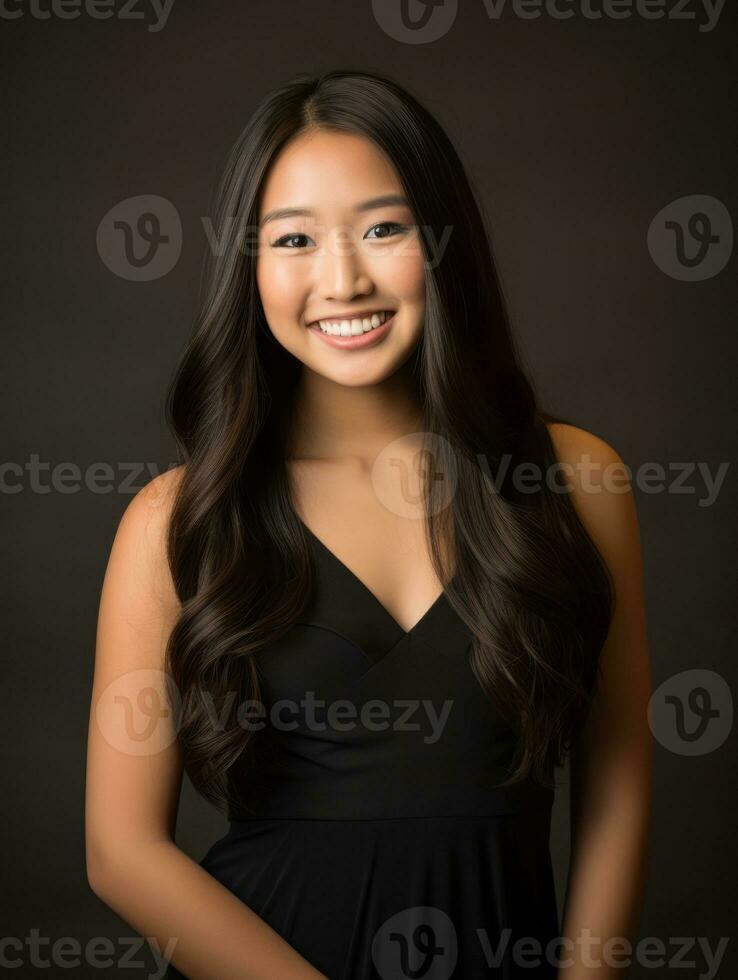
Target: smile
{"type": "Point", "coordinates": [353, 326]}
{"type": "Point", "coordinates": [355, 333]}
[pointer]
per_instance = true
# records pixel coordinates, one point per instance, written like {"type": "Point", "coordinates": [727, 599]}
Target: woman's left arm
{"type": "Point", "coordinates": [611, 763]}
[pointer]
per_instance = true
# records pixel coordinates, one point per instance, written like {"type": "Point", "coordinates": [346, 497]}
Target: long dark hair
{"type": "Point", "coordinates": [529, 582]}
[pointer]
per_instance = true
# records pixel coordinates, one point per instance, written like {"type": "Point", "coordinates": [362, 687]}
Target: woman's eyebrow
{"type": "Point", "coordinates": [383, 201]}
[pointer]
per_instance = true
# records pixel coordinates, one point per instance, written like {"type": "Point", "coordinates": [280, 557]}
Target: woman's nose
{"type": "Point", "coordinates": [341, 272]}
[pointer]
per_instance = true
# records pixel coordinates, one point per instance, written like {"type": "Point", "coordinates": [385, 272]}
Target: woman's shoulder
{"type": "Point", "coordinates": [139, 555]}
{"type": "Point", "coordinates": [573, 444]}
{"type": "Point", "coordinates": [154, 501]}
{"type": "Point", "coordinates": [600, 485]}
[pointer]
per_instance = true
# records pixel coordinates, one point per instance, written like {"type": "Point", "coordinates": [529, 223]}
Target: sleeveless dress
{"type": "Point", "coordinates": [376, 842]}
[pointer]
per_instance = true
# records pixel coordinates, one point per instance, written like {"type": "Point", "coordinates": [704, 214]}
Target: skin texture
{"type": "Point", "coordinates": [351, 406]}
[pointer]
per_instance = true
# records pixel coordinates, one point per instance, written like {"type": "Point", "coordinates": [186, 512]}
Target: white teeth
{"type": "Point", "coordinates": [355, 326]}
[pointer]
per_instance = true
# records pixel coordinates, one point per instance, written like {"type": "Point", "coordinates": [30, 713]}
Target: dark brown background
{"type": "Point", "coordinates": [576, 133]}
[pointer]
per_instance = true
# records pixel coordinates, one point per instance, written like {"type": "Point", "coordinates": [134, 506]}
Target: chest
{"type": "Point", "coordinates": [383, 549]}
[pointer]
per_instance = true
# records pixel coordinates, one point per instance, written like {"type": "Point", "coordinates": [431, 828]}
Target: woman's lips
{"type": "Point", "coordinates": [368, 339]}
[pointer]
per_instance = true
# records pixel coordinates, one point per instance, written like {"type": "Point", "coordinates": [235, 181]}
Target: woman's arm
{"type": "Point", "coordinates": [134, 776]}
{"type": "Point", "coordinates": [611, 764]}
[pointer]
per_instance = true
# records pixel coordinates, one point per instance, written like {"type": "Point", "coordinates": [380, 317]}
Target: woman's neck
{"type": "Point", "coordinates": [333, 420]}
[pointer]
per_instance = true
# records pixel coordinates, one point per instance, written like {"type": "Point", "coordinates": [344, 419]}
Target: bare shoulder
{"type": "Point", "coordinates": [601, 491]}
{"type": "Point", "coordinates": [573, 444]}
{"type": "Point", "coordinates": [147, 515]}
{"type": "Point", "coordinates": [138, 568]}
{"type": "Point", "coordinates": [152, 505]}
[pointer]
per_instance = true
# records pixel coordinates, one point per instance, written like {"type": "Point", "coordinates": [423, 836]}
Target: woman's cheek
{"type": "Point", "coordinates": [279, 288]}
{"type": "Point", "coordinates": [407, 280]}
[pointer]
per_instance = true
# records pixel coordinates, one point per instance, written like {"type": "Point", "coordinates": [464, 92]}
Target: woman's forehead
{"type": "Point", "coordinates": [328, 171]}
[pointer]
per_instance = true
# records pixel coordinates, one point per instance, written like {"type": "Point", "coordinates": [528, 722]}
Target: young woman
{"type": "Point", "coordinates": [382, 596]}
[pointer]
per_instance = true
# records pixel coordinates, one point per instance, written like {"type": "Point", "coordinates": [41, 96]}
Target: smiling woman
{"type": "Point", "coordinates": [340, 273]}
{"type": "Point", "coordinates": [332, 540]}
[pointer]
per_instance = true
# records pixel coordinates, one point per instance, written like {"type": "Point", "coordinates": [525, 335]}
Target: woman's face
{"type": "Point", "coordinates": [347, 259]}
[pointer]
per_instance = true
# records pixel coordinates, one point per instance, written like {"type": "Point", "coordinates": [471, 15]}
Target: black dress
{"type": "Point", "coordinates": [376, 842]}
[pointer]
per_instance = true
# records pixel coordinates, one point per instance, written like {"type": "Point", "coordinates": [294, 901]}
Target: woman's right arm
{"type": "Point", "coordinates": [134, 776]}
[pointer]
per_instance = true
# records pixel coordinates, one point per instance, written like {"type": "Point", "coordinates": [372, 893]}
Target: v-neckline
{"type": "Point", "coordinates": [364, 588]}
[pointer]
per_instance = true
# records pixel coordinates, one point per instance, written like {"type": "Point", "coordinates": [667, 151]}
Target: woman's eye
{"type": "Point", "coordinates": [282, 242]}
{"type": "Point", "coordinates": [388, 224]}
{"type": "Point", "coordinates": [294, 240]}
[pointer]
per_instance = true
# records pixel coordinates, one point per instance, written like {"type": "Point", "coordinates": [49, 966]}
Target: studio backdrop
{"type": "Point", "coordinates": [599, 136]}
